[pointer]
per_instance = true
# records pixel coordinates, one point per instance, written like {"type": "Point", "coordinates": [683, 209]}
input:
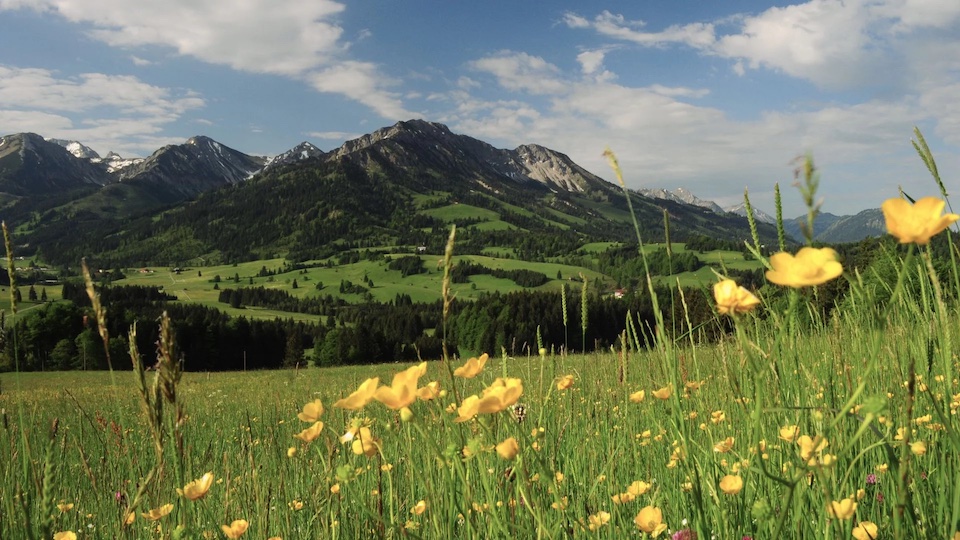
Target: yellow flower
{"type": "Point", "coordinates": [731, 485]}
{"type": "Point", "coordinates": [717, 416]}
{"type": "Point", "coordinates": [364, 443]}
{"type": "Point", "coordinates": [789, 433]}
{"type": "Point", "coordinates": [732, 298]}
{"type": "Point", "coordinates": [843, 509]}
{"type": "Point", "coordinates": [638, 488]}
{"type": "Point", "coordinates": [292, 451]}
{"type": "Point", "coordinates": [197, 488]}
{"type": "Point", "coordinates": [403, 390]}
{"type": "Point", "coordinates": [361, 397]}
{"type": "Point", "coordinates": [598, 520]}
{"type": "Point", "coordinates": [650, 521]}
{"type": "Point", "coordinates": [508, 449]}
{"type": "Point", "coordinates": [311, 411]}
{"type": "Point", "coordinates": [130, 518]}
{"type": "Point", "coordinates": [310, 433]}
{"type": "Point", "coordinates": [916, 222]}
{"type": "Point", "coordinates": [335, 489]}
{"type": "Point", "coordinates": [157, 513]}
{"type": "Point", "coordinates": [497, 397]}
{"type": "Point", "coordinates": [637, 397]}
{"type": "Point", "coordinates": [295, 505]}
{"type": "Point", "coordinates": [865, 530]}
{"type": "Point", "coordinates": [724, 446]}
{"type": "Point", "coordinates": [472, 368]}
{"type": "Point", "coordinates": [811, 266]}
{"type": "Point", "coordinates": [565, 382]}
{"type": "Point", "coordinates": [918, 448]}
{"type": "Point", "coordinates": [65, 507]}
{"type": "Point", "coordinates": [663, 393]}
{"type": "Point", "coordinates": [235, 529]}
{"type": "Point", "coordinates": [65, 535]}
{"type": "Point", "coordinates": [429, 392]}
{"type": "Point", "coordinates": [419, 508]}
{"type": "Point", "coordinates": [810, 446]}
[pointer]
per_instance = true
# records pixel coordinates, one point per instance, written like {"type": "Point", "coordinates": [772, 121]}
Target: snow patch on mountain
{"type": "Point", "coordinates": [759, 215]}
{"type": "Point", "coordinates": [681, 195]}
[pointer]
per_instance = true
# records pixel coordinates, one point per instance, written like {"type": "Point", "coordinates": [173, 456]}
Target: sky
{"type": "Point", "coordinates": [715, 97]}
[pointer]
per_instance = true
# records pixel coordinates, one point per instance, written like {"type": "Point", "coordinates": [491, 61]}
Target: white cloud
{"type": "Point", "coordinates": [362, 82]}
{"type": "Point", "coordinates": [113, 112]}
{"type": "Point", "coordinates": [697, 35]}
{"type": "Point", "coordinates": [300, 40]}
{"type": "Point", "coordinates": [332, 135]}
{"type": "Point", "coordinates": [591, 61]}
{"type": "Point", "coordinates": [518, 71]}
{"type": "Point", "coordinates": [261, 36]}
{"type": "Point", "coordinates": [137, 61]}
{"type": "Point", "coordinates": [825, 41]}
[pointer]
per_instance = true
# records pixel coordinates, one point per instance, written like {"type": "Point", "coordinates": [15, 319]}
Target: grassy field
{"type": "Point", "coordinates": [771, 433]}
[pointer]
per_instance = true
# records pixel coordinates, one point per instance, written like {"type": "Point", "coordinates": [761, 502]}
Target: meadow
{"type": "Point", "coordinates": [793, 426]}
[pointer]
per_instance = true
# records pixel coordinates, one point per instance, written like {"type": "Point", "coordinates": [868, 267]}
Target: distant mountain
{"type": "Point", "coordinates": [835, 229]}
{"type": "Point", "coordinates": [683, 196]}
{"type": "Point", "coordinates": [759, 215]}
{"type": "Point", "coordinates": [400, 185]}
{"type": "Point", "coordinates": [299, 152]}
{"type": "Point", "coordinates": [432, 145]}
{"type": "Point", "coordinates": [188, 169]}
{"type": "Point", "coordinates": [32, 166]}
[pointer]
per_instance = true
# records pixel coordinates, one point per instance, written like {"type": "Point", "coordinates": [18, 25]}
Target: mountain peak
{"type": "Point", "coordinates": [80, 150]}
{"type": "Point", "coordinates": [681, 195]}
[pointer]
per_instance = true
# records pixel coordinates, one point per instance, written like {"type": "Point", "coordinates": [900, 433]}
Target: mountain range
{"type": "Point", "coordinates": [828, 228]}
{"type": "Point", "coordinates": [400, 185]}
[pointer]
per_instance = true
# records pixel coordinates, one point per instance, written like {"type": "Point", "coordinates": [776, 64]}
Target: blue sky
{"type": "Point", "coordinates": [711, 96]}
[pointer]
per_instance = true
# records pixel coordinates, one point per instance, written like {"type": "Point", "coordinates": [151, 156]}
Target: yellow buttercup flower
{"type": "Point", "coordinates": [472, 367]}
{"type": "Point", "coordinates": [508, 449]}
{"type": "Point", "coordinates": [918, 448]}
{"type": "Point", "coordinates": [403, 390]}
{"type": "Point", "coordinates": [842, 509]}
{"type": "Point", "coordinates": [865, 530]}
{"type": "Point", "coordinates": [429, 392]}
{"type": "Point", "coordinates": [565, 382]}
{"type": "Point", "coordinates": [638, 396]}
{"type": "Point", "coordinates": [663, 393]}
{"type": "Point", "coordinates": [65, 535]}
{"type": "Point", "coordinates": [197, 488]}
{"type": "Point", "coordinates": [235, 529]}
{"type": "Point", "coordinates": [364, 443]}
{"type": "Point", "coordinates": [157, 513]}
{"type": "Point", "coordinates": [918, 222]}
{"type": "Point", "coordinates": [809, 446]}
{"type": "Point", "coordinates": [732, 298]}
{"type": "Point", "coordinates": [361, 397]}
{"type": "Point", "coordinates": [65, 507]}
{"type": "Point", "coordinates": [311, 433]}
{"type": "Point", "coordinates": [497, 397]}
{"type": "Point", "coordinates": [311, 411]}
{"type": "Point", "coordinates": [595, 521]}
{"type": "Point", "coordinates": [638, 488]}
{"type": "Point", "coordinates": [724, 446]}
{"type": "Point", "coordinates": [419, 508]}
{"type": "Point", "coordinates": [650, 521]}
{"type": "Point", "coordinates": [789, 433]}
{"type": "Point", "coordinates": [731, 484]}
{"type": "Point", "coordinates": [810, 266]}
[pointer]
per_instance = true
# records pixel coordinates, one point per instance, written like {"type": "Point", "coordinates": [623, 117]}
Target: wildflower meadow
{"type": "Point", "coordinates": [795, 425]}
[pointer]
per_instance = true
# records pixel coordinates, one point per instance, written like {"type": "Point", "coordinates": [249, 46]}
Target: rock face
{"type": "Point", "coordinates": [418, 143]}
{"type": "Point", "coordinates": [759, 215]}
